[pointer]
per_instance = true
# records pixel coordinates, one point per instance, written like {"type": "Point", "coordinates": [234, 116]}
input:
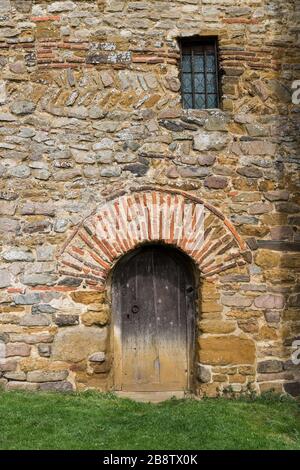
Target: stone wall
{"type": "Point", "coordinates": [90, 110]}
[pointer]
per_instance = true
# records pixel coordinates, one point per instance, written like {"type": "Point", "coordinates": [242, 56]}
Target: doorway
{"type": "Point", "coordinates": [153, 300]}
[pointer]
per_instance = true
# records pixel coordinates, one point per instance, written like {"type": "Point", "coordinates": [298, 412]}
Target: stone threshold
{"type": "Point", "coordinates": [153, 397]}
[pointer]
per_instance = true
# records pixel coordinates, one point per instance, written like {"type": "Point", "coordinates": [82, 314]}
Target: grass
{"type": "Point", "coordinates": [102, 421]}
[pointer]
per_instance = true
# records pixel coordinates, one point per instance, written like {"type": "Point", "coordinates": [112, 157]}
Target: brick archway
{"type": "Point", "coordinates": [172, 217]}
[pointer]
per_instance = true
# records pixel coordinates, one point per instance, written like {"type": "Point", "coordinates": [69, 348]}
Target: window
{"type": "Point", "coordinates": [199, 73]}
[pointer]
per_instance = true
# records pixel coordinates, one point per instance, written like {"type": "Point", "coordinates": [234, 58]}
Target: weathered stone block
{"type": "Point", "coordinates": [33, 338]}
{"type": "Point", "coordinates": [216, 182]}
{"type": "Point", "coordinates": [292, 388]}
{"type": "Point", "coordinates": [267, 259]}
{"type": "Point", "coordinates": [17, 349]}
{"type": "Point", "coordinates": [44, 350]}
{"type": "Point", "coordinates": [294, 300]}
{"type": "Point", "coordinates": [27, 299]}
{"type": "Point", "coordinates": [5, 278]}
{"type": "Point", "coordinates": [250, 172]}
{"type": "Point", "coordinates": [18, 376]}
{"type": "Point", "coordinates": [87, 340]}
{"type": "Point", "coordinates": [40, 208]}
{"type": "Point", "coordinates": [66, 319]}
{"type": "Point", "coordinates": [236, 300]}
{"type": "Point", "coordinates": [57, 7]}
{"type": "Point", "coordinates": [271, 366]}
{"type": "Point", "coordinates": [17, 255]}
{"type": "Point", "coordinates": [217, 326]}
{"type": "Point", "coordinates": [63, 386]}
{"type": "Point", "coordinates": [203, 374]}
{"type": "Point", "coordinates": [23, 107]}
{"type": "Point", "coordinates": [42, 308]}
{"type": "Point", "coordinates": [47, 376]}
{"type": "Point", "coordinates": [262, 208]}
{"type": "Point", "coordinates": [98, 357]}
{"type": "Point", "coordinates": [27, 386]}
{"type": "Point", "coordinates": [270, 301]}
{"type": "Point", "coordinates": [39, 279]}
{"type": "Point", "coordinates": [35, 320]}
{"type": "Point", "coordinates": [7, 365]}
{"type": "Point", "coordinates": [210, 141]}
{"type": "Point", "coordinates": [100, 317]}
{"type": "Point", "coordinates": [224, 350]}
{"type": "Point", "coordinates": [272, 316]}
{"type": "Point", "coordinates": [7, 208]}
{"type": "Point", "coordinates": [19, 171]}
{"type": "Point", "coordinates": [88, 297]}
{"type": "Point", "coordinates": [194, 172]}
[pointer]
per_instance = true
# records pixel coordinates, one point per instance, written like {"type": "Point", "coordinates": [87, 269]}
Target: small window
{"type": "Point", "coordinates": [199, 73]}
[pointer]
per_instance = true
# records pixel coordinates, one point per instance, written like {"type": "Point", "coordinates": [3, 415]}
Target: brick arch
{"type": "Point", "coordinates": [172, 217]}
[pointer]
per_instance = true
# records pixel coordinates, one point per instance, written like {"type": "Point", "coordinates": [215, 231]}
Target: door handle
{"type": "Point", "coordinates": [135, 309]}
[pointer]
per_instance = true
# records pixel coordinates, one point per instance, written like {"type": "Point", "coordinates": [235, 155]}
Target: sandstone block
{"type": "Point", "coordinates": [217, 326]}
{"type": "Point", "coordinates": [88, 297]}
{"type": "Point", "coordinates": [225, 350]}
{"type": "Point", "coordinates": [100, 318]}
{"type": "Point", "coordinates": [267, 259]}
{"type": "Point", "coordinates": [87, 340]}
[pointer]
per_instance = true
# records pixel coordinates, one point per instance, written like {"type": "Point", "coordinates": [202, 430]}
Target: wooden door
{"type": "Point", "coordinates": [153, 298]}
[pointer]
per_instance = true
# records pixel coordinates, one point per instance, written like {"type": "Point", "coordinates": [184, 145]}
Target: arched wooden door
{"type": "Point", "coordinates": [153, 306]}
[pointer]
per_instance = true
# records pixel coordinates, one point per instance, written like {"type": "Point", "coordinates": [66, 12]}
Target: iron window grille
{"type": "Point", "coordinates": [200, 73]}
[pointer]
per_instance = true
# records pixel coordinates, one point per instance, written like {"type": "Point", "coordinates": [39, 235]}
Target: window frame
{"type": "Point", "coordinates": [206, 43]}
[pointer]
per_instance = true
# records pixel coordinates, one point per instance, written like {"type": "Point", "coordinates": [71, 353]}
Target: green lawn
{"type": "Point", "coordinates": [102, 421]}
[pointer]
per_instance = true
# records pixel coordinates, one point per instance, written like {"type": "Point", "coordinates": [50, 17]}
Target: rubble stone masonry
{"type": "Point", "coordinates": [91, 123]}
